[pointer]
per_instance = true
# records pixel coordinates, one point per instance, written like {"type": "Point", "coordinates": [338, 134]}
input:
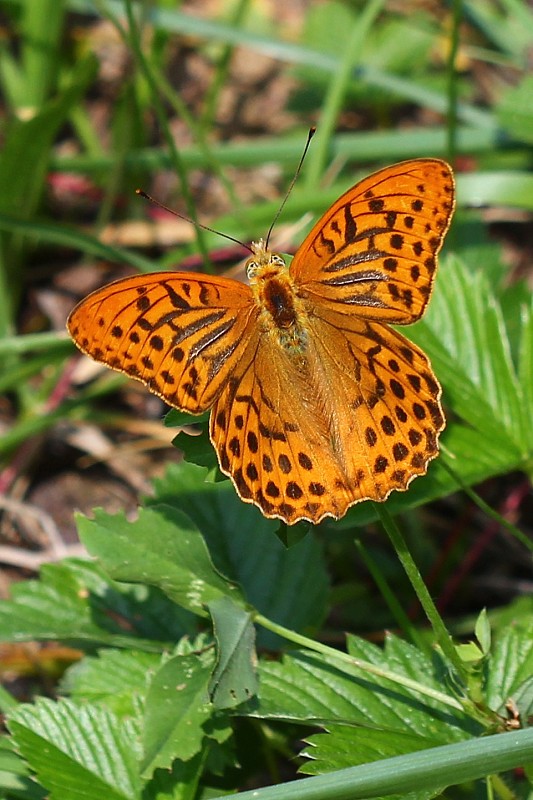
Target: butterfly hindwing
{"type": "Point", "coordinates": [357, 418]}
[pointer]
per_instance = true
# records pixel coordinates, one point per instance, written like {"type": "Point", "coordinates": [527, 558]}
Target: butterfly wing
{"type": "Point", "coordinates": [270, 439]}
{"type": "Point", "coordinates": [179, 334]}
{"type": "Point", "coordinates": [374, 252]}
{"type": "Point", "coordinates": [306, 438]}
{"type": "Point", "coordinates": [386, 413]}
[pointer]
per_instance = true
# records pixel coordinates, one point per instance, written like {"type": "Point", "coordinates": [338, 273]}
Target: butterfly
{"type": "Point", "coordinates": [316, 402]}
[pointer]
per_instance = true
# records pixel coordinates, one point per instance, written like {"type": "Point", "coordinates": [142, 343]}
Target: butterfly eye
{"type": "Point", "coordinates": [251, 268]}
{"type": "Point", "coordinates": [264, 267]}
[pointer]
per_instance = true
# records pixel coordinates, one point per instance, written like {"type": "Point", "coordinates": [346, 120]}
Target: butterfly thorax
{"type": "Point", "coordinates": [274, 292]}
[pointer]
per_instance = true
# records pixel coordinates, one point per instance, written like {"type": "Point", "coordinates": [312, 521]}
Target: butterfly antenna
{"type": "Point", "coordinates": [155, 202]}
{"type": "Point", "coordinates": [289, 190]}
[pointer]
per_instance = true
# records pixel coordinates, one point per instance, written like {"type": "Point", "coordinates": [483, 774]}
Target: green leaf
{"type": "Point", "coordinates": [515, 111]}
{"type": "Point", "coordinates": [177, 712]}
{"type": "Point", "coordinates": [465, 336]}
{"type": "Point", "coordinates": [69, 237]}
{"type": "Point", "coordinates": [162, 548]}
{"type": "Point", "coordinates": [288, 586]}
{"type": "Point", "coordinates": [178, 419]}
{"type": "Point", "coordinates": [27, 145]}
{"type": "Point", "coordinates": [290, 535]}
{"type": "Point", "coordinates": [114, 678]}
{"type": "Point", "coordinates": [197, 449]}
{"type": "Point", "coordinates": [41, 28]}
{"type": "Point", "coordinates": [510, 665]}
{"type": "Point", "coordinates": [179, 782]}
{"type": "Point", "coordinates": [75, 601]}
{"type": "Point", "coordinates": [26, 151]}
{"type": "Point", "coordinates": [469, 653]}
{"type": "Point", "coordinates": [482, 631]}
{"type": "Point", "coordinates": [505, 25]}
{"type": "Point", "coordinates": [15, 780]}
{"type": "Point", "coordinates": [448, 765]}
{"type": "Point", "coordinates": [525, 356]}
{"type": "Point", "coordinates": [512, 188]}
{"type": "Point", "coordinates": [234, 679]}
{"type": "Point", "coordinates": [523, 700]}
{"type": "Point", "coordinates": [310, 689]}
{"type": "Point", "coordinates": [78, 752]}
{"type": "Point", "coordinates": [335, 750]}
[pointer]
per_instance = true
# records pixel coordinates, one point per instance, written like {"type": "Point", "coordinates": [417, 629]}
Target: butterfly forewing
{"type": "Point", "coordinates": [178, 333]}
{"type": "Point", "coordinates": [374, 252]}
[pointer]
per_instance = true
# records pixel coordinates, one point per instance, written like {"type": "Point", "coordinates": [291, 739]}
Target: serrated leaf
{"type": "Point", "coordinates": [162, 548]}
{"type": "Point", "coordinates": [523, 698]}
{"type": "Point", "coordinates": [465, 336]}
{"type": "Point", "coordinates": [77, 752]}
{"type": "Point", "coordinates": [423, 770]}
{"type": "Point", "coordinates": [75, 601]}
{"type": "Point", "coordinates": [510, 664]}
{"type": "Point", "coordinates": [15, 780]}
{"type": "Point", "coordinates": [288, 586]}
{"type": "Point", "coordinates": [176, 712]}
{"type": "Point", "coordinates": [311, 689]}
{"type": "Point", "coordinates": [514, 298]}
{"type": "Point", "coordinates": [115, 678]}
{"type": "Point", "coordinates": [343, 747]}
{"type": "Point", "coordinates": [196, 448]}
{"type": "Point", "coordinates": [234, 679]}
{"type": "Point", "coordinates": [49, 608]}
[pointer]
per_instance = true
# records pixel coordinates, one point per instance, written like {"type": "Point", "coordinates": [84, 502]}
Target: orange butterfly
{"type": "Point", "coordinates": [316, 402]}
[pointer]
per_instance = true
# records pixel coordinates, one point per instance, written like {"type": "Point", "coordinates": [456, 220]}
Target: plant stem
{"type": "Point", "coordinates": [453, 82]}
{"type": "Point", "coordinates": [338, 85]}
{"type": "Point", "coordinates": [346, 659]}
{"type": "Point", "coordinates": [481, 504]}
{"type": "Point", "coordinates": [135, 43]}
{"type": "Point", "coordinates": [439, 628]}
{"type": "Point", "coordinates": [402, 619]}
{"type": "Point", "coordinates": [424, 772]}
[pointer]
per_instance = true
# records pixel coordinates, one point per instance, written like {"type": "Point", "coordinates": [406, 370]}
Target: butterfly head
{"type": "Point", "coordinates": [263, 262]}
